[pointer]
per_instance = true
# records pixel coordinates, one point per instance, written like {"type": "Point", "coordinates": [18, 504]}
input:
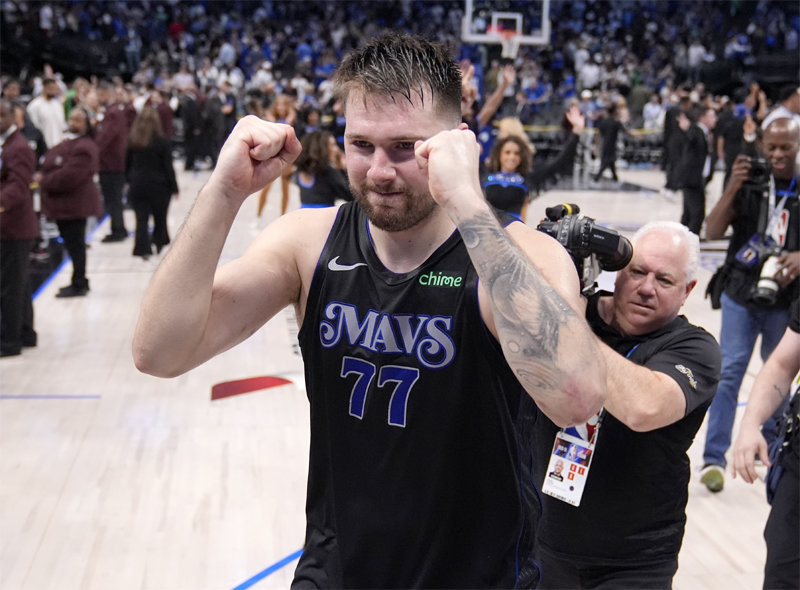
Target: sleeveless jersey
{"type": "Point", "coordinates": [506, 191]}
{"type": "Point", "coordinates": [419, 474]}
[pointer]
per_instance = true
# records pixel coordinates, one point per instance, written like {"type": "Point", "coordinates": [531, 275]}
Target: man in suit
{"type": "Point", "coordinates": [674, 141]}
{"type": "Point", "coordinates": [696, 164]}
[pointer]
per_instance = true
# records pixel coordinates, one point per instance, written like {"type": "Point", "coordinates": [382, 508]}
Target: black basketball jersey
{"type": "Point", "coordinates": [418, 476]}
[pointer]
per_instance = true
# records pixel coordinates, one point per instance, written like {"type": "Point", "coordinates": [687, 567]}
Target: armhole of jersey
{"type": "Point", "coordinates": [313, 290]}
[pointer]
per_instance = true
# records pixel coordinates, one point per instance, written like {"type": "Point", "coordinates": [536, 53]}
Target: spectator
{"type": "Point", "coordinates": [728, 134]}
{"type": "Point", "coordinates": [513, 174]}
{"type": "Point", "coordinates": [32, 134]}
{"type": "Point", "coordinates": [70, 196]}
{"type": "Point", "coordinates": [160, 101]}
{"type": "Point", "coordinates": [589, 108]}
{"type": "Point", "coordinates": [192, 121]}
{"type": "Point", "coordinates": [589, 74]}
{"type": "Point", "coordinates": [263, 79]}
{"type": "Point", "coordinates": [608, 130]}
{"type": "Point", "coordinates": [696, 164]}
{"type": "Point", "coordinates": [206, 76]}
{"type": "Point", "coordinates": [111, 136]}
{"type": "Point", "coordinates": [479, 117]}
{"type": "Point", "coordinates": [133, 49]}
{"type": "Point", "coordinates": [151, 181]}
{"type": "Point", "coordinates": [533, 98]}
{"type": "Point", "coordinates": [320, 171]}
{"type": "Point", "coordinates": [282, 110]}
{"type": "Point", "coordinates": [663, 372]}
{"type": "Point", "coordinates": [47, 112]}
{"type": "Point", "coordinates": [309, 119]}
{"type": "Point", "coordinates": [183, 78]}
{"type": "Point", "coordinates": [653, 113]}
{"type": "Point", "coordinates": [19, 228]}
{"type": "Point", "coordinates": [697, 57]}
{"type": "Point", "coordinates": [744, 315]}
{"type": "Point", "coordinates": [11, 89]}
{"type": "Point", "coordinates": [674, 140]}
{"type": "Point", "coordinates": [756, 102]}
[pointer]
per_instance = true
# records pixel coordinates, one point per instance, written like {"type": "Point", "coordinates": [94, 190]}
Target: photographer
{"type": "Point", "coordinates": [759, 278]}
{"type": "Point", "coordinates": [627, 527]}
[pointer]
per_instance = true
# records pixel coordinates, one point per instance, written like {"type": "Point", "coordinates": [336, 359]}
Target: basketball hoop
{"type": "Point", "coordinates": [510, 40]}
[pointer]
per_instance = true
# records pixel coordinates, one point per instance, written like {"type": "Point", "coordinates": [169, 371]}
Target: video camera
{"type": "Point", "coordinates": [593, 247]}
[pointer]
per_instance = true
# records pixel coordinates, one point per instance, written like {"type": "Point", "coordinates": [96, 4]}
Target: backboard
{"type": "Point", "coordinates": [508, 22]}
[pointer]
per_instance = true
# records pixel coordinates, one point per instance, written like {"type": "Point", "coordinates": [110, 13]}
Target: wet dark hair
{"type": "Point", "coordinates": [395, 64]}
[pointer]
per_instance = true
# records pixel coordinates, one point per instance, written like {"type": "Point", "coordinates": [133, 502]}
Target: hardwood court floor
{"type": "Point", "coordinates": [114, 479]}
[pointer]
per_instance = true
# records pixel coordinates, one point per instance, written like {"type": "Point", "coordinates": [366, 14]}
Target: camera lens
{"type": "Point", "coordinates": [766, 289]}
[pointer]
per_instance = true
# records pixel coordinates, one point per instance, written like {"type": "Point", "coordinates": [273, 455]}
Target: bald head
{"type": "Point", "coordinates": [785, 124]}
{"type": "Point", "coordinates": [781, 144]}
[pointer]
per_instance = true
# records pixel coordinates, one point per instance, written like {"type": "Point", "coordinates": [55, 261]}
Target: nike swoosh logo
{"type": "Point", "coordinates": [334, 265]}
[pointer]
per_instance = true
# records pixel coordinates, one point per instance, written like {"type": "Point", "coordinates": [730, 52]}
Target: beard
{"type": "Point", "coordinates": [405, 212]}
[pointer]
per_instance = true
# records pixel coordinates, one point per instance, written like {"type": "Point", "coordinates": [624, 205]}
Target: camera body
{"type": "Point", "coordinates": [593, 248]}
{"type": "Point", "coordinates": [760, 170]}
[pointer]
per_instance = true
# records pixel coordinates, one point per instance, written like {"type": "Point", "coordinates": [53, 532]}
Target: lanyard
{"type": "Point", "coordinates": [775, 209]}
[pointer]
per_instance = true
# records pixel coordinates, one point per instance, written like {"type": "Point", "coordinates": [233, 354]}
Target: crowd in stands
{"type": "Point", "coordinates": [614, 48]}
{"type": "Point", "coordinates": [205, 64]}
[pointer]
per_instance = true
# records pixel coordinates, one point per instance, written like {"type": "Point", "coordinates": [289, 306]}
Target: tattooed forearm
{"type": "Point", "coordinates": [780, 391]}
{"type": "Point", "coordinates": [528, 313]}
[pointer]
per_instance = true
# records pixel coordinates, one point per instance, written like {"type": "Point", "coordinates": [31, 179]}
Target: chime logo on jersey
{"type": "Point", "coordinates": [441, 279]}
{"type": "Point", "coordinates": [424, 336]}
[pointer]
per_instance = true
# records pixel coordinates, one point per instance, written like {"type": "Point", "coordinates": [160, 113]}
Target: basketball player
{"type": "Point", "coordinates": [428, 331]}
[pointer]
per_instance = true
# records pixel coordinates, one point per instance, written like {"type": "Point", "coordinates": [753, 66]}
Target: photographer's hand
{"type": "Point", "coordinates": [790, 267]}
{"type": "Point", "coordinates": [721, 216]}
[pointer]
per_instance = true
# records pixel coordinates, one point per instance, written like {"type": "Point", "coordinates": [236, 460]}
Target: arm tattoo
{"type": "Point", "coordinates": [528, 312]}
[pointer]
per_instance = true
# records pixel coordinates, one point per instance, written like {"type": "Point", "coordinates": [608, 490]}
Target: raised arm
{"type": "Point", "coordinates": [495, 99]}
{"type": "Point", "coordinates": [723, 213]}
{"type": "Point", "coordinates": [543, 171]}
{"type": "Point", "coordinates": [191, 311]}
{"type": "Point", "coordinates": [532, 308]}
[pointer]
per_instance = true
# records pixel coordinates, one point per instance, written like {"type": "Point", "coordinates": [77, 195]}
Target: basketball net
{"type": "Point", "coordinates": [510, 42]}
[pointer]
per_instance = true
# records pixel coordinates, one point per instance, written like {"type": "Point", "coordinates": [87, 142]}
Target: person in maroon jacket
{"type": "Point", "coordinates": [19, 228]}
{"type": "Point", "coordinates": [70, 195]}
{"type": "Point", "coordinates": [111, 137]}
